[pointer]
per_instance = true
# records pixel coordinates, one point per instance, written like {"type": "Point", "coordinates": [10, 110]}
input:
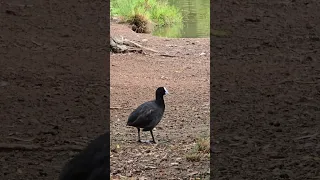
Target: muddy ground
{"type": "Point", "coordinates": [53, 84]}
{"type": "Point", "coordinates": [265, 90]}
{"type": "Point", "coordinates": [134, 79]}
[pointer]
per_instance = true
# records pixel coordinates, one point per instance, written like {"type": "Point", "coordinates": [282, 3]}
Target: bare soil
{"type": "Point", "coordinates": [53, 84]}
{"type": "Point", "coordinates": [134, 79]}
{"type": "Point", "coordinates": [265, 90]}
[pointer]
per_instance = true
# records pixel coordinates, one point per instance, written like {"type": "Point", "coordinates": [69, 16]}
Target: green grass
{"type": "Point", "coordinates": [158, 12]}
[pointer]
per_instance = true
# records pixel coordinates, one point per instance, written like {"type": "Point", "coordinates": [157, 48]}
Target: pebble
{"type": "Point", "coordinates": [174, 164]}
{"type": "Point", "coordinates": [3, 83]}
{"type": "Point", "coordinates": [150, 167]}
{"type": "Point", "coordinates": [19, 171]}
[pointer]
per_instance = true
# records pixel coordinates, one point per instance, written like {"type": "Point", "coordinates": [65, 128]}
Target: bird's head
{"type": "Point", "coordinates": [162, 91]}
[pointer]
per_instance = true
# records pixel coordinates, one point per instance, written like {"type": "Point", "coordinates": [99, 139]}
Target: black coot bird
{"type": "Point", "coordinates": [148, 114]}
{"type": "Point", "coordinates": [93, 163]}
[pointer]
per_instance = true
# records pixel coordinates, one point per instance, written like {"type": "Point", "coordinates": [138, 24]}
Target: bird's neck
{"type": "Point", "coordinates": [159, 100]}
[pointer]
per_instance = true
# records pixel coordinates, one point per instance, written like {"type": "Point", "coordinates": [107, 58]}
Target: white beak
{"type": "Point", "coordinates": [166, 91]}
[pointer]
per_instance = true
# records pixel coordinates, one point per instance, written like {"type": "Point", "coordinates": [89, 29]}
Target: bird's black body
{"type": "Point", "coordinates": [93, 163]}
{"type": "Point", "coordinates": [148, 114]}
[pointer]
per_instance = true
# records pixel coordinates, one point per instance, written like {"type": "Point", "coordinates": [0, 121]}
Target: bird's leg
{"type": "Point", "coordinates": [139, 140]}
{"type": "Point", "coordinates": [152, 137]}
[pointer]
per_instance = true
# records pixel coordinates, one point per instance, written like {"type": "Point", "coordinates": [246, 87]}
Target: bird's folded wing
{"type": "Point", "coordinates": [145, 117]}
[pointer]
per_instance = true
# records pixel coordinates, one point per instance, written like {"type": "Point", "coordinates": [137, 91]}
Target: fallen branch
{"type": "Point", "coordinates": [307, 136]}
{"type": "Point", "coordinates": [120, 108]}
{"type": "Point", "coordinates": [36, 43]}
{"type": "Point", "coordinates": [31, 147]}
{"type": "Point", "coordinates": [20, 139]}
{"type": "Point", "coordinates": [293, 81]}
{"type": "Point", "coordinates": [127, 42]}
{"type": "Point", "coordinates": [135, 50]}
{"type": "Point", "coordinates": [80, 144]}
{"type": "Point", "coordinates": [65, 148]}
{"type": "Point", "coordinates": [238, 158]}
{"type": "Point", "coordinates": [168, 55]}
{"type": "Point", "coordinates": [20, 5]}
{"type": "Point", "coordinates": [302, 82]}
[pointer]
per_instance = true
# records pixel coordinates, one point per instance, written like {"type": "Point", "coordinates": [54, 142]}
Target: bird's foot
{"type": "Point", "coordinates": [147, 141]}
{"type": "Point", "coordinates": [151, 142]}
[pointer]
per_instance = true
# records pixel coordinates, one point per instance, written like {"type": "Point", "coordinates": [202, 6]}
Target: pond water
{"type": "Point", "coordinates": [196, 20]}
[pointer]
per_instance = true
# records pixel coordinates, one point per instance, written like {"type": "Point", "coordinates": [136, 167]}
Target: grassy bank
{"type": "Point", "coordinates": [146, 12]}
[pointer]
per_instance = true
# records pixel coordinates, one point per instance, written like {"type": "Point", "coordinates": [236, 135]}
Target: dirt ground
{"type": "Point", "coordinates": [264, 85]}
{"type": "Point", "coordinates": [134, 79]}
{"type": "Point", "coordinates": [265, 90]}
{"type": "Point", "coordinates": [53, 84]}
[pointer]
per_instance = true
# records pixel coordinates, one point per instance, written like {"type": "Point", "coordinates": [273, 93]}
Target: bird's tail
{"type": "Point", "coordinates": [129, 123]}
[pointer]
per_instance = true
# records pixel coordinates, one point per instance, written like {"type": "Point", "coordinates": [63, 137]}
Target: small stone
{"type": "Point", "coordinates": [277, 124]}
{"type": "Point", "coordinates": [309, 26]}
{"type": "Point", "coordinates": [142, 178]}
{"type": "Point", "coordinates": [19, 171]}
{"type": "Point", "coordinates": [174, 164]}
{"type": "Point", "coordinates": [118, 171]}
{"type": "Point", "coordinates": [3, 83]}
{"type": "Point", "coordinates": [284, 176]}
{"type": "Point", "coordinates": [20, 99]}
{"type": "Point", "coordinates": [43, 173]}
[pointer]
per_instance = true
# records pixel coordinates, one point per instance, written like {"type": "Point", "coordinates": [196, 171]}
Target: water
{"type": "Point", "coordinates": [196, 20]}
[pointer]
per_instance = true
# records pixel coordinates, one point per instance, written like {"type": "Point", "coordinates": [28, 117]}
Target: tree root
{"type": "Point", "coordinates": [125, 45]}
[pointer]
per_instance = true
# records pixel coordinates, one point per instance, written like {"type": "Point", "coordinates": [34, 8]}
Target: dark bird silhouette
{"type": "Point", "coordinates": [148, 114]}
{"type": "Point", "coordinates": [92, 163]}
